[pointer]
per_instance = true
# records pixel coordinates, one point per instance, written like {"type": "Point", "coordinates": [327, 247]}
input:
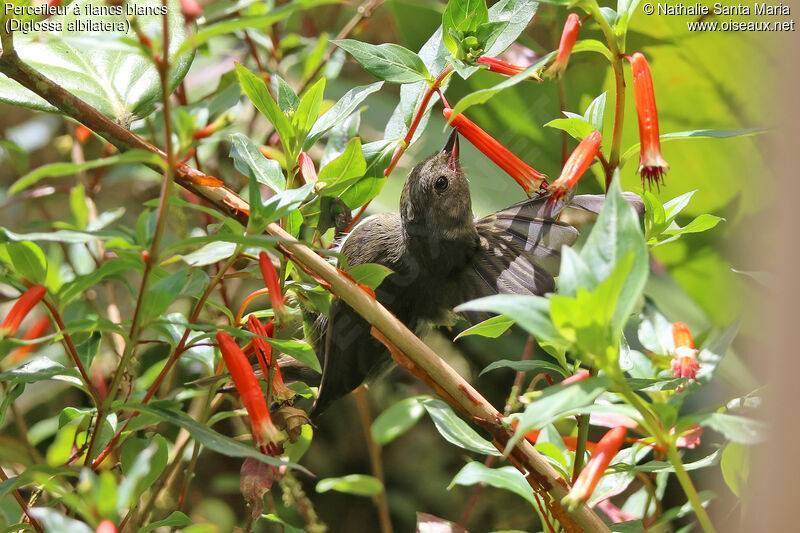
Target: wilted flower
{"type": "Point", "coordinates": [576, 165]}
{"type": "Point", "coordinates": [270, 275]}
{"type": "Point", "coordinates": [604, 451]}
{"type": "Point", "coordinates": [580, 375]}
{"type": "Point", "coordinates": [652, 166]}
{"type": "Point", "coordinates": [265, 434]}
{"type": "Point", "coordinates": [528, 178]}
{"type": "Point", "coordinates": [690, 437]}
{"type": "Point", "coordinates": [684, 357]}
{"type": "Point", "coordinates": [503, 67]}
{"type": "Point", "coordinates": [264, 355]}
{"type": "Point", "coordinates": [20, 310]}
{"type": "Point", "coordinates": [568, 37]}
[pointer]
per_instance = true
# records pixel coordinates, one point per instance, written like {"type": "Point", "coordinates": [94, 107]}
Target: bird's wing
{"type": "Point", "coordinates": [519, 252]}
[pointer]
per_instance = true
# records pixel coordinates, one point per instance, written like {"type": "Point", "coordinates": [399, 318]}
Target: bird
{"type": "Point", "coordinates": [440, 256]}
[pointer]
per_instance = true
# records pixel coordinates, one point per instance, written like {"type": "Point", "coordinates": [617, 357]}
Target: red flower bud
{"type": "Point", "coordinates": [36, 330]}
{"type": "Point", "coordinates": [568, 37]}
{"type": "Point", "coordinates": [270, 276]}
{"type": "Point", "coordinates": [652, 166]}
{"type": "Point", "coordinates": [684, 361]}
{"type": "Point", "coordinates": [604, 451]}
{"type": "Point", "coordinates": [265, 433]}
{"type": "Point", "coordinates": [528, 178]}
{"type": "Point", "coordinates": [20, 310]}
{"type": "Point", "coordinates": [82, 133]}
{"type": "Point", "coordinates": [576, 165]}
{"type": "Point", "coordinates": [106, 526]}
{"type": "Point", "coordinates": [190, 10]}
{"type": "Point", "coordinates": [264, 355]}
{"type": "Point", "coordinates": [307, 169]}
{"type": "Point", "coordinates": [503, 67]}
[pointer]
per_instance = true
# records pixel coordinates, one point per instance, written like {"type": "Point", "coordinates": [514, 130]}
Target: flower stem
{"type": "Point", "coordinates": [689, 489]}
{"type": "Point", "coordinates": [375, 459]}
{"type": "Point", "coordinates": [583, 436]}
{"type": "Point", "coordinates": [619, 78]}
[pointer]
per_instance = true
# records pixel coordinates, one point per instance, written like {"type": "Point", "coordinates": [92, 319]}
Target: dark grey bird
{"type": "Point", "coordinates": [440, 257]}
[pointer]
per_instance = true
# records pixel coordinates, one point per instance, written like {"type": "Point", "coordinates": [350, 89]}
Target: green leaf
{"type": "Point", "coordinates": [616, 234]}
{"type": "Point", "coordinates": [532, 313]}
{"type": "Point", "coordinates": [302, 351]}
{"type": "Point", "coordinates": [142, 472]}
{"type": "Point", "coordinates": [236, 23]}
{"type": "Point", "coordinates": [249, 160]}
{"type": "Point", "coordinates": [162, 294]}
{"type": "Point", "coordinates": [77, 204]}
{"type": "Point", "coordinates": [341, 173]}
{"type": "Point", "coordinates": [389, 62]}
{"type": "Point", "coordinates": [735, 466]}
{"type": "Point", "coordinates": [370, 274]}
{"type": "Point", "coordinates": [174, 520]}
{"type": "Point", "coordinates": [339, 111]}
{"type": "Point", "coordinates": [287, 99]}
{"type": "Point", "coordinates": [111, 268]}
{"type": "Point", "coordinates": [396, 420]}
{"type": "Point", "coordinates": [279, 205]}
{"type": "Point", "coordinates": [456, 431]}
{"type": "Point", "coordinates": [52, 520]}
{"type": "Point", "coordinates": [205, 435]}
{"type": "Point", "coordinates": [55, 170]}
{"type": "Point", "coordinates": [28, 261]}
{"type": "Point", "coordinates": [507, 478]}
{"type": "Point", "coordinates": [308, 110]}
{"type": "Point", "coordinates": [515, 15]}
{"type": "Point", "coordinates": [88, 349]}
{"type": "Point", "coordinates": [595, 112]}
{"type": "Point", "coordinates": [577, 128]}
{"type": "Point", "coordinates": [733, 427]}
{"type": "Point", "coordinates": [694, 134]}
{"type": "Point", "coordinates": [209, 254]}
{"type": "Point", "coordinates": [530, 365]}
{"type": "Point", "coordinates": [554, 402]}
{"type": "Point", "coordinates": [19, 157]}
{"type": "Point", "coordinates": [255, 89]}
{"type": "Point", "coordinates": [491, 327]}
{"type": "Point", "coordinates": [358, 484]}
{"type": "Point", "coordinates": [87, 63]}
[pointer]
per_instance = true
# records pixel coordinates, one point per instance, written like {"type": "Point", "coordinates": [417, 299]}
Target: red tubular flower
{"type": "Point", "coordinates": [264, 355]}
{"type": "Point", "coordinates": [604, 451]}
{"type": "Point", "coordinates": [36, 330]}
{"type": "Point", "coordinates": [684, 360]}
{"type": "Point", "coordinates": [568, 37]}
{"type": "Point", "coordinates": [270, 276]}
{"type": "Point", "coordinates": [265, 434]}
{"type": "Point", "coordinates": [528, 178]}
{"type": "Point", "coordinates": [307, 169]}
{"type": "Point", "coordinates": [20, 310]}
{"type": "Point", "coordinates": [652, 166]}
{"type": "Point", "coordinates": [503, 67]}
{"type": "Point", "coordinates": [576, 165]}
{"type": "Point", "coordinates": [580, 375]}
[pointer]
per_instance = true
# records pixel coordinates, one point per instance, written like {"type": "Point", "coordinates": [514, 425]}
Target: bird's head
{"type": "Point", "coordinates": [436, 196]}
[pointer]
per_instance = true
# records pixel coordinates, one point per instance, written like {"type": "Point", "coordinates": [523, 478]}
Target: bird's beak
{"type": "Point", "coordinates": [451, 148]}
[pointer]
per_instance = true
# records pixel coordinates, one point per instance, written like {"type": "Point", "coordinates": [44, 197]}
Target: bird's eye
{"type": "Point", "coordinates": [441, 184]}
